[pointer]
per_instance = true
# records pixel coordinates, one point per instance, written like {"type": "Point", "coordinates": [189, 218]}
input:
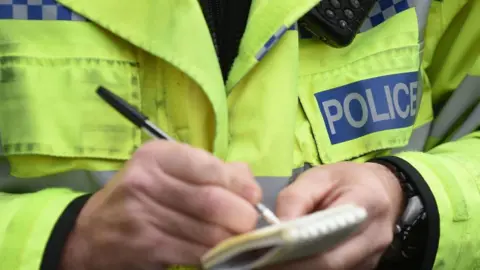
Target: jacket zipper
{"type": "Point", "coordinates": [214, 14]}
{"type": "Point", "coordinates": [226, 20]}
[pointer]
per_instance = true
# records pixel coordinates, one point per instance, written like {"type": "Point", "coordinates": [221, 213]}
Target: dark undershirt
{"type": "Point", "coordinates": [227, 20]}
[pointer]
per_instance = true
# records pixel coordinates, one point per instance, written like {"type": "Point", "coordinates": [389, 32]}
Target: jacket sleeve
{"type": "Point", "coordinates": [50, 126]}
{"type": "Point", "coordinates": [447, 172]}
{"type": "Point", "coordinates": [447, 178]}
{"type": "Point", "coordinates": [34, 227]}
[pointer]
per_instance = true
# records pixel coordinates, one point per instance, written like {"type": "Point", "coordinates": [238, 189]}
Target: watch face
{"type": "Point", "coordinates": [406, 250]}
{"type": "Point", "coordinates": [414, 237]}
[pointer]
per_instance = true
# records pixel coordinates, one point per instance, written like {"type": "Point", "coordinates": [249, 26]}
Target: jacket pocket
{"type": "Point", "coordinates": [50, 113]}
{"type": "Point", "coordinates": [365, 97]}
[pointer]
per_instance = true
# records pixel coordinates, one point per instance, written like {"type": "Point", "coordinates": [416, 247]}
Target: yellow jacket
{"type": "Point", "coordinates": [287, 102]}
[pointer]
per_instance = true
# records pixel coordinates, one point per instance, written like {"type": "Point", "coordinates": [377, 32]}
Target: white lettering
{"type": "Point", "coordinates": [402, 105]}
{"type": "Point", "coordinates": [346, 105]}
{"type": "Point", "coordinates": [396, 90]}
{"type": "Point", "coordinates": [388, 94]}
{"type": "Point", "coordinates": [373, 109]}
{"type": "Point", "coordinates": [335, 117]}
{"type": "Point", "coordinates": [413, 98]}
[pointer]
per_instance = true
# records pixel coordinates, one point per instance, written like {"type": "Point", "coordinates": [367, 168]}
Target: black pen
{"type": "Point", "coordinates": [132, 114]}
{"type": "Point", "coordinates": [141, 121]}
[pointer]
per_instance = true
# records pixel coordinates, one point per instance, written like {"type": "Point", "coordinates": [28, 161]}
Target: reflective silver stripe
{"type": "Point", "coordinates": [417, 140]}
{"type": "Point", "coordinates": [463, 99]}
{"type": "Point", "coordinates": [88, 181]}
{"type": "Point", "coordinates": [83, 181]}
{"type": "Point", "coordinates": [422, 8]}
{"type": "Point", "coordinates": [470, 124]}
{"type": "Point", "coordinates": [296, 172]}
{"type": "Point", "coordinates": [271, 186]}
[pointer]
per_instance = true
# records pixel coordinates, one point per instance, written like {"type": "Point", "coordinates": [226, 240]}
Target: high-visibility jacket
{"type": "Point", "coordinates": [406, 89]}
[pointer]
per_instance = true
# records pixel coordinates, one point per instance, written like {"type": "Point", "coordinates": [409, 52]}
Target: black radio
{"type": "Point", "coordinates": [337, 22]}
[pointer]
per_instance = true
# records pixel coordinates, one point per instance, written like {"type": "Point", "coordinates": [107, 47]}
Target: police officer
{"type": "Point", "coordinates": [389, 123]}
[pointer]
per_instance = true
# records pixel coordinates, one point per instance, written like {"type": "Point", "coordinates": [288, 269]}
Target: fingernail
{"type": "Point", "coordinates": [251, 193]}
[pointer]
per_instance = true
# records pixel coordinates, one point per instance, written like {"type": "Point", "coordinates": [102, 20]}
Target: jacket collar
{"type": "Point", "coordinates": [176, 32]}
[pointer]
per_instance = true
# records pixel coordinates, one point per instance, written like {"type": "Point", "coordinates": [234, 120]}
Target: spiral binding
{"type": "Point", "coordinates": [325, 225]}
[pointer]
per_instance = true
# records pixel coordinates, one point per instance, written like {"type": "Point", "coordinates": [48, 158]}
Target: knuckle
{"type": "Point", "coordinates": [137, 179]}
{"type": "Point", "coordinates": [134, 179]}
{"type": "Point", "coordinates": [157, 151]}
{"type": "Point", "coordinates": [241, 167]}
{"type": "Point", "coordinates": [210, 199]}
{"type": "Point", "coordinates": [242, 171]}
{"type": "Point", "coordinates": [383, 205]}
{"type": "Point", "coordinates": [147, 151]}
{"type": "Point", "coordinates": [288, 195]}
{"type": "Point", "coordinates": [213, 166]}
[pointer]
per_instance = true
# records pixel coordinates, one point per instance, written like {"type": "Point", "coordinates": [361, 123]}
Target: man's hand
{"type": "Point", "coordinates": [368, 185]}
{"type": "Point", "coordinates": [169, 205]}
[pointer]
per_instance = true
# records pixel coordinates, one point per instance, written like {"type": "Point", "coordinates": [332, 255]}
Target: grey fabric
{"type": "Point", "coordinates": [88, 181]}
{"type": "Point", "coordinates": [464, 98]}
{"type": "Point", "coordinates": [469, 125]}
{"type": "Point", "coordinates": [83, 181]}
{"type": "Point", "coordinates": [417, 140]}
{"type": "Point", "coordinates": [271, 186]}
{"type": "Point", "coordinates": [422, 8]}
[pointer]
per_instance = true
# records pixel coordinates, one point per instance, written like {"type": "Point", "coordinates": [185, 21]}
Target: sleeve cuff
{"type": "Point", "coordinates": [429, 203]}
{"type": "Point", "coordinates": [64, 225]}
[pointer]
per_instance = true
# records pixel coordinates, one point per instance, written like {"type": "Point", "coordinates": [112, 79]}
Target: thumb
{"type": "Point", "coordinates": [302, 197]}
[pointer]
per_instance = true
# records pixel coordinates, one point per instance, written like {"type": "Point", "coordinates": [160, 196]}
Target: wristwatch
{"type": "Point", "coordinates": [410, 237]}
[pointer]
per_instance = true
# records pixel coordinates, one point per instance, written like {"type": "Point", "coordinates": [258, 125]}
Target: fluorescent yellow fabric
{"type": "Point", "coordinates": [66, 66]}
{"type": "Point", "coordinates": [452, 170]}
{"type": "Point", "coordinates": [26, 224]}
{"type": "Point", "coordinates": [385, 50]}
{"type": "Point", "coordinates": [50, 70]}
{"type": "Point", "coordinates": [452, 173]}
{"type": "Point", "coordinates": [266, 115]}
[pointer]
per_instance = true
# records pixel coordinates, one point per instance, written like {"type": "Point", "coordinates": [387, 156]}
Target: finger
{"type": "Point", "coordinates": [186, 227]}
{"type": "Point", "coordinates": [192, 165]}
{"type": "Point", "coordinates": [364, 248]}
{"type": "Point", "coordinates": [302, 196]}
{"type": "Point", "coordinates": [170, 250]}
{"type": "Point", "coordinates": [211, 204]}
{"type": "Point", "coordinates": [243, 182]}
{"type": "Point", "coordinates": [345, 257]}
{"type": "Point", "coordinates": [360, 196]}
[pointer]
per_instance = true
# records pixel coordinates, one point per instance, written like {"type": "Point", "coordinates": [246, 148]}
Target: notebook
{"type": "Point", "coordinates": [286, 241]}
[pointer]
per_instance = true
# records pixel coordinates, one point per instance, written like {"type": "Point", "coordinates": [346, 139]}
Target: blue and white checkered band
{"type": "Point", "coordinates": [383, 10]}
{"type": "Point", "coordinates": [36, 10]}
{"type": "Point", "coordinates": [274, 39]}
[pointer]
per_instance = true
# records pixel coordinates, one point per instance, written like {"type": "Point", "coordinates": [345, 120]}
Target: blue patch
{"type": "Point", "coordinates": [36, 10]}
{"type": "Point", "coordinates": [368, 106]}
